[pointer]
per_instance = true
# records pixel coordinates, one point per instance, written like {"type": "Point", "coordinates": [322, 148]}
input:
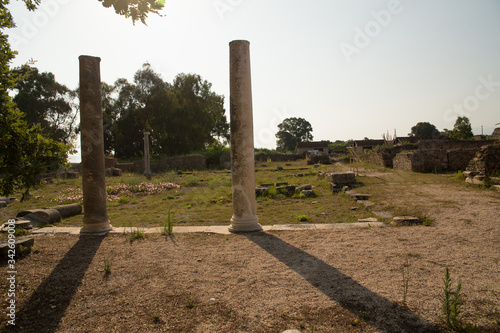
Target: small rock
{"type": "Point", "coordinates": [281, 184]}
{"type": "Point", "coordinates": [279, 168]}
{"type": "Point", "coordinates": [369, 219]}
{"type": "Point", "coordinates": [406, 220]}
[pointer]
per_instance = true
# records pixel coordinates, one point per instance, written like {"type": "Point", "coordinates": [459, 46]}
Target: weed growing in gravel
{"type": "Point", "coordinates": [406, 277]}
{"type": "Point", "coordinates": [168, 226]}
{"type": "Point", "coordinates": [451, 303]}
{"type": "Point", "coordinates": [107, 266]}
{"type": "Point", "coordinates": [136, 234]}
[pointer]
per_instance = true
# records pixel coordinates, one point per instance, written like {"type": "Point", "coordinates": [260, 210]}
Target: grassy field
{"type": "Point", "coordinates": [204, 197]}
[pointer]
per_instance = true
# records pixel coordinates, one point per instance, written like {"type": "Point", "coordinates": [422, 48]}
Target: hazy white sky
{"type": "Point", "coordinates": [353, 69]}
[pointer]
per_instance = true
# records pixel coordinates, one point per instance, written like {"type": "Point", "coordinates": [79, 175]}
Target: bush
{"type": "Point", "coordinates": [303, 218]}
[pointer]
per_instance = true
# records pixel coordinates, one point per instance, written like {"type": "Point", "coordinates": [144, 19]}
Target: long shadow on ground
{"type": "Point", "coordinates": [47, 305]}
{"type": "Point", "coordinates": [376, 310]}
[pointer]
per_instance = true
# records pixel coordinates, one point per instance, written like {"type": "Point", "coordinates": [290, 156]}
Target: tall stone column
{"type": "Point", "coordinates": [147, 164]}
{"type": "Point", "coordinates": [95, 215]}
{"type": "Point", "coordinates": [242, 147]}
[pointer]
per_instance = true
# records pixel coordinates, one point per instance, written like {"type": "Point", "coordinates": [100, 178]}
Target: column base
{"type": "Point", "coordinates": [245, 225]}
{"type": "Point", "coordinates": [96, 228]}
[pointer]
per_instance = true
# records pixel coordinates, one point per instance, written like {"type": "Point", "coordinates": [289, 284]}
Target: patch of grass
{"type": "Point", "coordinates": [20, 232]}
{"type": "Point", "coordinates": [123, 200]}
{"type": "Point", "coordinates": [136, 234]}
{"type": "Point", "coordinates": [426, 222]}
{"type": "Point", "coordinates": [459, 175]}
{"type": "Point", "coordinates": [303, 218]}
{"type": "Point", "coordinates": [107, 266]}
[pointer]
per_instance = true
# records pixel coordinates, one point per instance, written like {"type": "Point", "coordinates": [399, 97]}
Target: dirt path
{"type": "Point", "coordinates": [342, 280]}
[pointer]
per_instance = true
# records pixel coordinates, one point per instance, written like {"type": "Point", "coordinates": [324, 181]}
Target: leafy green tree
{"type": "Point", "coordinates": [47, 103]}
{"type": "Point", "coordinates": [182, 117]}
{"type": "Point", "coordinates": [292, 131]}
{"type": "Point", "coordinates": [24, 152]}
{"type": "Point", "coordinates": [462, 129]}
{"type": "Point", "coordinates": [424, 130]}
{"type": "Point", "coordinates": [135, 9]}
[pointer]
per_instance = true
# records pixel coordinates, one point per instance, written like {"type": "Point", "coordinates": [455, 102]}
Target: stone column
{"type": "Point", "coordinates": [147, 164]}
{"type": "Point", "coordinates": [242, 148]}
{"type": "Point", "coordinates": [95, 215]}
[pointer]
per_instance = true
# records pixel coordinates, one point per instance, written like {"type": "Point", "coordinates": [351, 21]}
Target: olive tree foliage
{"type": "Point", "coordinates": [182, 117]}
{"type": "Point", "coordinates": [424, 130]}
{"type": "Point", "coordinates": [25, 151]}
{"type": "Point", "coordinates": [292, 131]}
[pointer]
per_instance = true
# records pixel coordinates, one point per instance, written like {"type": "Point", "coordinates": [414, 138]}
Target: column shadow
{"type": "Point", "coordinates": [49, 302]}
{"type": "Point", "coordinates": [376, 310]}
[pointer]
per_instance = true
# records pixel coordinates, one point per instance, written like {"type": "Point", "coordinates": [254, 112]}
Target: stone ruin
{"type": "Point", "coordinates": [428, 155]}
{"type": "Point", "coordinates": [484, 168]}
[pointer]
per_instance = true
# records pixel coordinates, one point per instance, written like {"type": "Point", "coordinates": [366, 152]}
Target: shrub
{"type": "Point", "coordinates": [303, 218]}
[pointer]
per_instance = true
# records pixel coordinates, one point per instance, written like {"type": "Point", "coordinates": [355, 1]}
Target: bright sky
{"type": "Point", "coordinates": [353, 69]}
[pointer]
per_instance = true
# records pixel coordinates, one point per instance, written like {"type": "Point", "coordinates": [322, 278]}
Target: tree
{"type": "Point", "coordinates": [135, 9]}
{"type": "Point", "coordinates": [47, 103]}
{"type": "Point", "coordinates": [182, 117]}
{"type": "Point", "coordinates": [424, 130]}
{"type": "Point", "coordinates": [292, 131]}
{"type": "Point", "coordinates": [24, 152]}
{"type": "Point", "coordinates": [462, 130]}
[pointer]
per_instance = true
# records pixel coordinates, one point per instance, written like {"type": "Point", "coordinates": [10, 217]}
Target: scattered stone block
{"type": "Point", "coordinates": [288, 164]}
{"type": "Point", "coordinates": [369, 219]}
{"type": "Point", "coordinates": [41, 217]}
{"type": "Point", "coordinates": [468, 174]}
{"type": "Point", "coordinates": [261, 191]}
{"type": "Point", "coordinates": [335, 188]}
{"type": "Point", "coordinates": [20, 223]}
{"type": "Point", "coordinates": [71, 175]}
{"type": "Point", "coordinates": [308, 193]}
{"type": "Point", "coordinates": [279, 168]}
{"type": "Point", "coordinates": [476, 180]}
{"type": "Point", "coordinates": [281, 184]}
{"type": "Point", "coordinates": [405, 220]}
{"type": "Point", "coordinates": [316, 165]}
{"type": "Point", "coordinates": [358, 196]}
{"type": "Point", "coordinates": [68, 210]}
{"type": "Point", "coordinates": [266, 185]}
{"type": "Point", "coordinates": [342, 178]}
{"type": "Point", "coordinates": [113, 172]}
{"type": "Point", "coordinates": [304, 187]}
{"type": "Point", "coordinates": [3, 203]}
{"type": "Point", "coordinates": [22, 246]}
